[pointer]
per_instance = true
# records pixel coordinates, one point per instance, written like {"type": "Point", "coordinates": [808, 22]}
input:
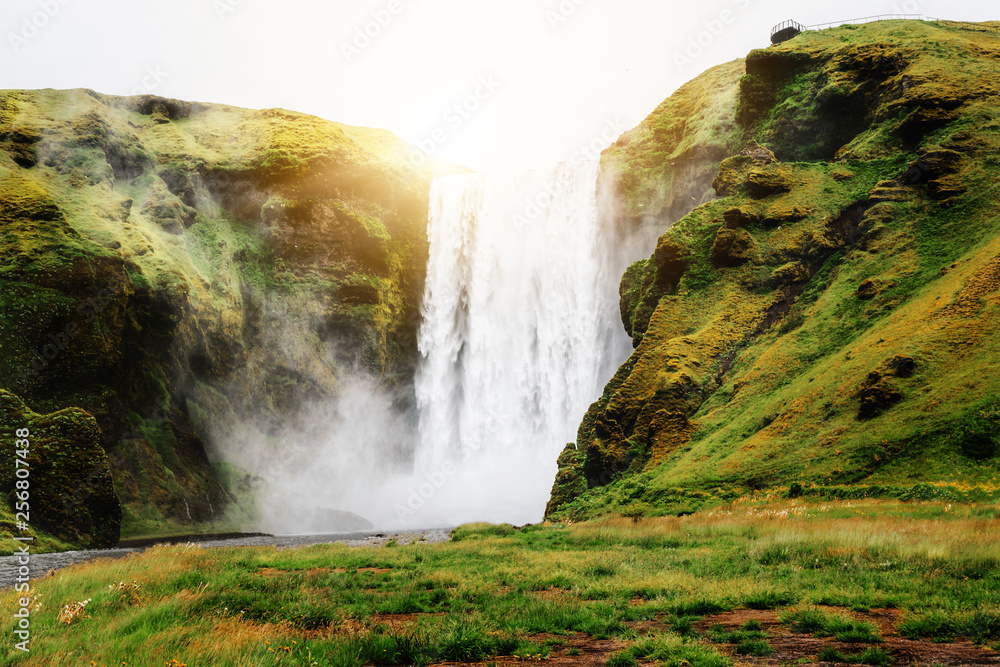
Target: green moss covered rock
{"type": "Point", "coordinates": [763, 182]}
{"type": "Point", "coordinates": [71, 491]}
{"type": "Point", "coordinates": [733, 247]}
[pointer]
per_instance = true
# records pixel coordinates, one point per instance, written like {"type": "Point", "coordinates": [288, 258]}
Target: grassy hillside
{"type": "Point", "coordinates": [829, 325]}
{"type": "Point", "coordinates": [178, 270]}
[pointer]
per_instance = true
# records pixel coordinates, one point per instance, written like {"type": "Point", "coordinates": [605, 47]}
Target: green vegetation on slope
{"type": "Point", "coordinates": [832, 319]}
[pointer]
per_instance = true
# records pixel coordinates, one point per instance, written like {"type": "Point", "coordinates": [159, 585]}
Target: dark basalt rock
{"type": "Point", "coordinates": [867, 290]}
{"type": "Point", "coordinates": [876, 397]}
{"type": "Point", "coordinates": [733, 247]}
{"type": "Point", "coordinates": [738, 217]}
{"type": "Point", "coordinates": [758, 153]}
{"type": "Point", "coordinates": [902, 367]}
{"type": "Point", "coordinates": [878, 393]}
{"type": "Point", "coordinates": [672, 258]}
{"type": "Point", "coordinates": [358, 294]}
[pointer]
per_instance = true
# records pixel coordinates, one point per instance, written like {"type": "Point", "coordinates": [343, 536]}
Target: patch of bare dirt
{"type": "Point", "coordinates": [551, 593]}
{"type": "Point", "coordinates": [314, 572]}
{"type": "Point", "coordinates": [793, 647]}
{"type": "Point", "coordinates": [401, 619]}
{"type": "Point", "coordinates": [789, 647]}
{"type": "Point", "coordinates": [579, 649]}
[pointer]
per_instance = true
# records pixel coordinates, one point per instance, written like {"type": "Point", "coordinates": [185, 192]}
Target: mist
{"type": "Point", "coordinates": [520, 332]}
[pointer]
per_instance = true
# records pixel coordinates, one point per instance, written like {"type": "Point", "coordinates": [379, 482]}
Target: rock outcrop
{"type": "Point", "coordinates": [66, 480]}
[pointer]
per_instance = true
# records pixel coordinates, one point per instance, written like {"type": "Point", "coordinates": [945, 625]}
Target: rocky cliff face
{"type": "Point", "coordinates": [166, 266]}
{"type": "Point", "coordinates": [831, 318]}
{"type": "Point", "coordinates": [663, 168]}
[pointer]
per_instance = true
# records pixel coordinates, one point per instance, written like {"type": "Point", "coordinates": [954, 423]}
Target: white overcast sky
{"type": "Point", "coordinates": [562, 72]}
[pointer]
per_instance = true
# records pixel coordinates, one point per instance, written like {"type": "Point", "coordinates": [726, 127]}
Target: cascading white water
{"type": "Point", "coordinates": [520, 330]}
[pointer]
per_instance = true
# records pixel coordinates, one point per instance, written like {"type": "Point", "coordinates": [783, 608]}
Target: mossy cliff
{"type": "Point", "coordinates": [664, 167]}
{"type": "Point", "coordinates": [829, 324]}
{"type": "Point", "coordinates": [167, 265]}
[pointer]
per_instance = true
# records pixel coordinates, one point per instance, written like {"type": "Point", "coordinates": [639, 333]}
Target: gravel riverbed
{"type": "Point", "coordinates": [41, 564]}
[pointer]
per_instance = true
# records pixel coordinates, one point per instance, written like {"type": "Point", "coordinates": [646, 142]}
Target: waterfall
{"type": "Point", "coordinates": [520, 331]}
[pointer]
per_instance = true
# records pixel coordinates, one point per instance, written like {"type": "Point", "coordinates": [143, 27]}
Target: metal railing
{"type": "Point", "coordinates": [965, 25]}
{"type": "Point", "coordinates": [868, 19]}
{"type": "Point", "coordinates": [787, 24]}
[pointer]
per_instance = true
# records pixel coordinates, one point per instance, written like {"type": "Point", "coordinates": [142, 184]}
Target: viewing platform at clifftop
{"type": "Point", "coordinates": [788, 29]}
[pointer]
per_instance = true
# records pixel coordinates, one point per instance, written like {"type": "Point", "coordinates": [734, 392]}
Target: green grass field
{"type": "Point", "coordinates": [738, 584]}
